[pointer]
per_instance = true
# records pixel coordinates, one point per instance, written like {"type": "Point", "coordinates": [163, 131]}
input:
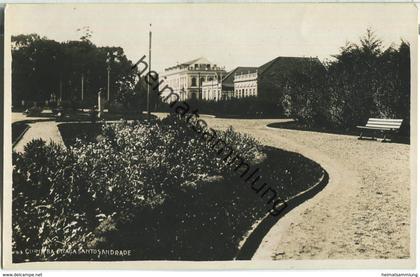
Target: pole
{"type": "Point", "coordinates": [109, 70]}
{"type": "Point", "coordinates": [217, 86]}
{"type": "Point", "coordinates": [150, 67]}
{"type": "Point", "coordinates": [61, 88]}
{"type": "Point", "coordinates": [100, 106]}
{"type": "Point", "coordinates": [83, 83]}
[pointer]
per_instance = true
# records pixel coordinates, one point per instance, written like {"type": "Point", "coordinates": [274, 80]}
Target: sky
{"type": "Point", "coordinates": [229, 35]}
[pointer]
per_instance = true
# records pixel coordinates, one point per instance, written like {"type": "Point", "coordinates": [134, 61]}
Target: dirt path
{"type": "Point", "coordinates": [46, 130]}
{"type": "Point", "coordinates": [363, 213]}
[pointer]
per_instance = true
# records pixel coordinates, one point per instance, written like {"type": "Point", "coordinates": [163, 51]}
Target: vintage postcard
{"type": "Point", "coordinates": [210, 136]}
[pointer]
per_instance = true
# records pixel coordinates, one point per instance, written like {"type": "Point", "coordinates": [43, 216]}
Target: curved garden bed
{"type": "Point", "coordinates": [161, 194]}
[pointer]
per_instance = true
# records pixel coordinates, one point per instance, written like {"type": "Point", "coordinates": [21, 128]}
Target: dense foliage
{"type": "Point", "coordinates": [363, 81]}
{"type": "Point", "coordinates": [249, 107]}
{"type": "Point", "coordinates": [45, 70]}
{"type": "Point", "coordinates": [51, 204]}
{"type": "Point", "coordinates": [154, 187]}
{"type": "Point", "coordinates": [70, 197]}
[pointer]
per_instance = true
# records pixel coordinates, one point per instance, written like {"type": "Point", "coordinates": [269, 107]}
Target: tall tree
{"type": "Point", "coordinates": [43, 67]}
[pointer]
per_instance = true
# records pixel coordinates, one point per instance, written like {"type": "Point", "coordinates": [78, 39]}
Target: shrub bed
{"type": "Point", "coordinates": [249, 107]}
{"type": "Point", "coordinates": [152, 187]}
{"type": "Point", "coordinates": [87, 131]}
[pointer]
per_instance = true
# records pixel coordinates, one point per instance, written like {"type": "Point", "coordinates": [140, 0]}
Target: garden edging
{"type": "Point", "coordinates": [254, 238]}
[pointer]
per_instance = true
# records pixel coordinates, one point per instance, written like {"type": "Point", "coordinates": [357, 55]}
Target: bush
{"type": "Point", "coordinates": [51, 204]}
{"type": "Point", "coordinates": [80, 197]}
{"type": "Point", "coordinates": [304, 97]}
{"type": "Point", "coordinates": [249, 107]}
{"type": "Point", "coordinates": [363, 81]}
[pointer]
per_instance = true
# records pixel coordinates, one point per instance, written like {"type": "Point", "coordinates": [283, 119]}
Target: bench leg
{"type": "Point", "coordinates": [384, 138]}
{"type": "Point", "coordinates": [361, 135]}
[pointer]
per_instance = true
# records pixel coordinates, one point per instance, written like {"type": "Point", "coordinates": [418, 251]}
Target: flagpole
{"type": "Point", "coordinates": [150, 68]}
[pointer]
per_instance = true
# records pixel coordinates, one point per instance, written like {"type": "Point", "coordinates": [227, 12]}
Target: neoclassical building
{"type": "Point", "coordinates": [225, 89]}
{"type": "Point", "coordinates": [246, 84]}
{"type": "Point", "coordinates": [200, 79]}
{"type": "Point", "coordinates": [212, 90]}
{"type": "Point", "coordinates": [187, 79]}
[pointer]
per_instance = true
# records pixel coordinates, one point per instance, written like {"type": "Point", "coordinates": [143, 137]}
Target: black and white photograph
{"type": "Point", "coordinates": [203, 135]}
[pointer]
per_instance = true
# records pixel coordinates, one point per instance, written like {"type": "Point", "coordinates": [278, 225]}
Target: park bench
{"type": "Point", "coordinates": [383, 125]}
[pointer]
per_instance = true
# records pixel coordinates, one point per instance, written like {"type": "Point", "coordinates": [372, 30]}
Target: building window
{"type": "Point", "coordinates": [193, 82]}
{"type": "Point", "coordinates": [201, 81]}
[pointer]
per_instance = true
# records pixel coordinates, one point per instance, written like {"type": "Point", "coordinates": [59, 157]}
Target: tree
{"type": "Point", "coordinates": [35, 63]}
{"type": "Point", "coordinates": [43, 67]}
{"type": "Point", "coordinates": [304, 95]}
{"type": "Point", "coordinates": [364, 80]}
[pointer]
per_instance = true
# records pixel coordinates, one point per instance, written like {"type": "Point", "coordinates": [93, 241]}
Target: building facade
{"type": "Point", "coordinates": [245, 85]}
{"type": "Point", "coordinates": [187, 79]}
{"type": "Point", "coordinates": [211, 90]}
{"type": "Point", "coordinates": [216, 90]}
{"type": "Point", "coordinates": [201, 79]}
{"type": "Point", "coordinates": [272, 78]}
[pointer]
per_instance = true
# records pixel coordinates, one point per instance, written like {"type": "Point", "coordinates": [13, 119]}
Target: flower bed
{"type": "Point", "coordinates": [153, 187]}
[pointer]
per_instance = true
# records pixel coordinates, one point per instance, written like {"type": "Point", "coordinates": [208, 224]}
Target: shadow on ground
{"type": "Point", "coordinates": [233, 116]}
{"type": "Point", "coordinates": [293, 125]}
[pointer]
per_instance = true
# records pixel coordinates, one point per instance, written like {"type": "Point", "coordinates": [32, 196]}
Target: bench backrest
{"type": "Point", "coordinates": [384, 123]}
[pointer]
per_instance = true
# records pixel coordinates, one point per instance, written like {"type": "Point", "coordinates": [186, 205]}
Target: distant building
{"type": "Point", "coordinates": [246, 84]}
{"type": "Point", "coordinates": [229, 80]}
{"type": "Point", "coordinates": [211, 90]}
{"type": "Point", "coordinates": [187, 79]}
{"type": "Point", "coordinates": [216, 90]}
{"type": "Point", "coordinates": [272, 77]}
{"type": "Point", "coordinates": [200, 79]}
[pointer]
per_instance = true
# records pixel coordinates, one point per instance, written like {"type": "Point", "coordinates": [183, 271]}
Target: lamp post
{"type": "Point", "coordinates": [83, 86]}
{"type": "Point", "coordinates": [108, 60]}
{"type": "Point", "coordinates": [150, 68]}
{"type": "Point", "coordinates": [199, 85]}
{"type": "Point", "coordinates": [100, 106]}
{"type": "Point", "coordinates": [61, 88]}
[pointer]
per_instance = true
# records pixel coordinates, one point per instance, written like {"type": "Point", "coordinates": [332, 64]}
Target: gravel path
{"type": "Point", "coordinates": [363, 213]}
{"type": "Point", "coordinates": [46, 130]}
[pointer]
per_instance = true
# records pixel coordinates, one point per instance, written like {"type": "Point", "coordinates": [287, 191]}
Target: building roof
{"type": "Point", "coordinates": [200, 60]}
{"type": "Point", "coordinates": [228, 79]}
{"type": "Point", "coordinates": [288, 64]}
